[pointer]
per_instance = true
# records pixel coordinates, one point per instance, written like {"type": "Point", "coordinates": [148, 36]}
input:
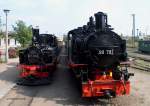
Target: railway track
{"type": "Point", "coordinates": [139, 61]}
{"type": "Point", "coordinates": [140, 68]}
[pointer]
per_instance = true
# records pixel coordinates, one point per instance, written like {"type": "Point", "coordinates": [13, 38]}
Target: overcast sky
{"type": "Point", "coordinates": [60, 16]}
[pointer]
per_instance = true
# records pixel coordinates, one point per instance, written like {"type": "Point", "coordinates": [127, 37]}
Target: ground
{"type": "Point", "coordinates": [63, 90]}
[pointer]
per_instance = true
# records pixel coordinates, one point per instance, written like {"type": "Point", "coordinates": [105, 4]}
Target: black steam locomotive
{"type": "Point", "coordinates": [97, 54]}
{"type": "Point", "coordinates": [38, 61]}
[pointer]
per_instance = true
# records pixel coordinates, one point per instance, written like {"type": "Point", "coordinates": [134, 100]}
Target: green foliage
{"type": "Point", "coordinates": [1, 34]}
{"type": "Point", "coordinates": [22, 33]}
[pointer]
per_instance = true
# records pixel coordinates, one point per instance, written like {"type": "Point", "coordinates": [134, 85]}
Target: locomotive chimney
{"type": "Point", "coordinates": [101, 21]}
{"type": "Point", "coordinates": [35, 33]}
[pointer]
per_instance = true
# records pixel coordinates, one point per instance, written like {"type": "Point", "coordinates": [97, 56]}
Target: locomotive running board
{"type": "Point", "coordinates": [74, 65]}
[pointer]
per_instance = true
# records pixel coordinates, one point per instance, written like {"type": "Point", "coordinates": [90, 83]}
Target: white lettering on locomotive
{"type": "Point", "coordinates": [101, 52]}
{"type": "Point", "coordinates": [108, 52]}
{"type": "Point", "coordinates": [111, 52]}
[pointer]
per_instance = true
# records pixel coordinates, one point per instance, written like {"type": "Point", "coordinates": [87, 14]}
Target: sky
{"type": "Point", "coordinates": [60, 16]}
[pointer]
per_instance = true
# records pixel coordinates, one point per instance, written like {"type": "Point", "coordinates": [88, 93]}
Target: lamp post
{"type": "Point", "coordinates": [133, 30]}
{"type": "Point", "coordinates": [6, 11]}
{"type": "Point", "coordinates": [137, 33]}
{"type": "Point", "coordinates": [0, 23]}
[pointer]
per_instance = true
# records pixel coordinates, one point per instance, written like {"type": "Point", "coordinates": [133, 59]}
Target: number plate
{"type": "Point", "coordinates": [106, 52]}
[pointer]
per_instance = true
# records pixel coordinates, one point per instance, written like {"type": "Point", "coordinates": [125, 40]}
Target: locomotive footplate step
{"type": "Point", "coordinates": [34, 82]}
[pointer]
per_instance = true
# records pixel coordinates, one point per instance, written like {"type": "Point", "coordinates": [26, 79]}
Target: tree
{"type": "Point", "coordinates": [22, 33]}
{"type": "Point", "coordinates": [1, 34]}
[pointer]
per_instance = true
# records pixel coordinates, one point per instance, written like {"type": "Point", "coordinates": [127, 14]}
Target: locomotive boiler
{"type": "Point", "coordinates": [97, 55]}
{"type": "Point", "coordinates": [39, 60]}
